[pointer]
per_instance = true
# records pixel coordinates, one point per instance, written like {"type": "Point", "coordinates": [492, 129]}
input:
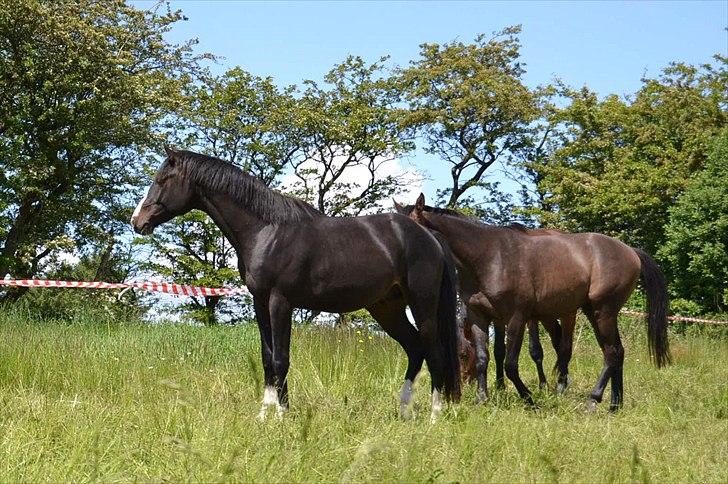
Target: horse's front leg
{"type": "Point", "coordinates": [262, 315]}
{"type": "Point", "coordinates": [564, 351]}
{"type": "Point", "coordinates": [274, 322]}
{"type": "Point", "coordinates": [280, 319]}
{"type": "Point", "coordinates": [536, 351]}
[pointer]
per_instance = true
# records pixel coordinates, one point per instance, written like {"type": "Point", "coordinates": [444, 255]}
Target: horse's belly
{"type": "Point", "coordinates": [341, 290]}
{"type": "Point", "coordinates": [556, 301]}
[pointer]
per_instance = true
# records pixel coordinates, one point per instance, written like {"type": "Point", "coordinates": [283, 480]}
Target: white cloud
{"type": "Point", "coordinates": [359, 175]}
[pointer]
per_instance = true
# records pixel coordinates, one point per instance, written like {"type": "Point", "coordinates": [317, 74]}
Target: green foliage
{"type": "Point", "coordinates": [192, 251]}
{"type": "Point", "coordinates": [696, 247]}
{"type": "Point", "coordinates": [469, 103]}
{"type": "Point", "coordinates": [616, 165]}
{"type": "Point", "coordinates": [349, 127]}
{"type": "Point", "coordinates": [120, 401]}
{"type": "Point", "coordinates": [244, 119]}
{"type": "Point", "coordinates": [110, 263]}
{"type": "Point", "coordinates": [83, 85]}
{"type": "Point", "coordinates": [247, 121]}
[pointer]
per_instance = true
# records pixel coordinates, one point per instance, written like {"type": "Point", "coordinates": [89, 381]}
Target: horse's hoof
{"type": "Point", "coordinates": [280, 412]}
{"type": "Point", "coordinates": [481, 398]}
{"type": "Point", "coordinates": [561, 386]}
{"type": "Point", "coordinates": [543, 385]}
{"type": "Point", "coordinates": [591, 405]}
{"type": "Point", "coordinates": [405, 413]}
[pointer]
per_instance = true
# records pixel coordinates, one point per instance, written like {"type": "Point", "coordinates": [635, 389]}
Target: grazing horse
{"type": "Point", "coordinates": [290, 255]}
{"type": "Point", "coordinates": [511, 276]}
{"type": "Point", "coordinates": [474, 355]}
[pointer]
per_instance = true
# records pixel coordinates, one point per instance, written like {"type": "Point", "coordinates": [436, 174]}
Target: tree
{"type": "Point", "coordinates": [619, 164]}
{"type": "Point", "coordinates": [696, 246]}
{"type": "Point", "coordinates": [83, 85]}
{"type": "Point", "coordinates": [192, 251]}
{"type": "Point", "coordinates": [349, 130]}
{"type": "Point", "coordinates": [244, 119]}
{"type": "Point", "coordinates": [469, 103]}
{"type": "Point", "coordinates": [247, 121]}
{"type": "Point", "coordinates": [115, 262]}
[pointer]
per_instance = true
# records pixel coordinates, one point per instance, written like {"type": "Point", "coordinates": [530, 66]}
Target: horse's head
{"type": "Point", "coordinates": [466, 353]}
{"type": "Point", "coordinates": [169, 195]}
{"type": "Point", "coordinates": [416, 212]}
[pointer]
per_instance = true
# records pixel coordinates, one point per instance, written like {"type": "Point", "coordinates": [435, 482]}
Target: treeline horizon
{"type": "Point", "coordinates": [90, 92]}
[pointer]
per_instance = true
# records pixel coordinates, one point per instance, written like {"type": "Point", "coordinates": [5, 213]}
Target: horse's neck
{"type": "Point", "coordinates": [469, 242]}
{"type": "Point", "coordinates": [238, 225]}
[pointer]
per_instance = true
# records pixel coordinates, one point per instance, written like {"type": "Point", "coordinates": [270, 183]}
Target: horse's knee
{"type": "Point", "coordinates": [481, 366]}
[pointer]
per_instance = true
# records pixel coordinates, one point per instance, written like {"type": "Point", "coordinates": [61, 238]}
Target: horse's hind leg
{"type": "Point", "coordinates": [393, 319]}
{"type": "Point", "coordinates": [482, 357]}
{"type": "Point", "coordinates": [604, 322]}
{"type": "Point", "coordinates": [536, 351]}
{"type": "Point", "coordinates": [424, 310]}
{"type": "Point", "coordinates": [565, 346]}
{"type": "Point", "coordinates": [499, 354]}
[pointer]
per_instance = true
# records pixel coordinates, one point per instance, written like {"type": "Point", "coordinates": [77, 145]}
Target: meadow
{"type": "Point", "coordinates": [90, 399]}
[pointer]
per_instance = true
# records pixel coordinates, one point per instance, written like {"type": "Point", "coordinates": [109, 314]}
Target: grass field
{"type": "Point", "coordinates": [91, 400]}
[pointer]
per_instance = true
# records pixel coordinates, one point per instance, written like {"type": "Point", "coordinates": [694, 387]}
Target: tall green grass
{"type": "Point", "coordinates": [94, 400]}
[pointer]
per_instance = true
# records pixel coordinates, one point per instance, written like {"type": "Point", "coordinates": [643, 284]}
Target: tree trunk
{"type": "Point", "coordinates": [29, 210]}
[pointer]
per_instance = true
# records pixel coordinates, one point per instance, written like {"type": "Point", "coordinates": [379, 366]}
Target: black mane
{"type": "Point", "coordinates": [454, 213]}
{"type": "Point", "coordinates": [218, 175]}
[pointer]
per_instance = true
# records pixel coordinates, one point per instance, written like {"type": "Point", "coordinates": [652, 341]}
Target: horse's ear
{"type": "Point", "coordinates": [420, 203]}
{"type": "Point", "coordinates": [171, 154]}
{"type": "Point", "coordinates": [397, 206]}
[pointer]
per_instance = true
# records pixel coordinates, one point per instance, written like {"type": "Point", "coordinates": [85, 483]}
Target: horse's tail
{"type": "Point", "coordinates": [447, 325]}
{"type": "Point", "coordinates": [655, 287]}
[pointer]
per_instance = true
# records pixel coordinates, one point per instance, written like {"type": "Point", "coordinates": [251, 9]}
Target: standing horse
{"type": "Point", "coordinates": [511, 276]}
{"type": "Point", "coordinates": [290, 255]}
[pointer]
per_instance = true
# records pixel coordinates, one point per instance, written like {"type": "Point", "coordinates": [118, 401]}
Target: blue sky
{"type": "Point", "coordinates": [608, 46]}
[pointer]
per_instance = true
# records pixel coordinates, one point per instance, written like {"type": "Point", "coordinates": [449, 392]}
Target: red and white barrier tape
{"type": "Point", "coordinates": [180, 290]}
{"type": "Point", "coordinates": [169, 288]}
{"type": "Point", "coordinates": [686, 319]}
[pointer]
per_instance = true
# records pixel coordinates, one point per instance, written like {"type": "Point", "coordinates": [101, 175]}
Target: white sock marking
{"type": "Point", "coordinates": [270, 398]}
{"type": "Point", "coordinates": [405, 398]}
{"type": "Point", "coordinates": [436, 405]}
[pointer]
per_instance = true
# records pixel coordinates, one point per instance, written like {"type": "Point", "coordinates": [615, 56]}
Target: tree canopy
{"type": "Point", "coordinates": [696, 246]}
{"type": "Point", "coordinates": [617, 165]}
{"type": "Point", "coordinates": [89, 92]}
{"type": "Point", "coordinates": [470, 105]}
{"type": "Point", "coordinates": [83, 88]}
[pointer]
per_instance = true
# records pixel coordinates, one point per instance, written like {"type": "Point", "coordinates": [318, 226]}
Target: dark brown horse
{"type": "Point", "coordinates": [292, 256]}
{"type": "Point", "coordinates": [511, 276]}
